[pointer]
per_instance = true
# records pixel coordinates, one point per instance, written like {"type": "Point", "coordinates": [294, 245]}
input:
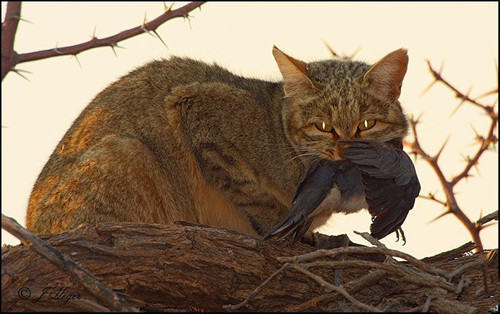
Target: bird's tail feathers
{"type": "Point", "coordinates": [290, 225]}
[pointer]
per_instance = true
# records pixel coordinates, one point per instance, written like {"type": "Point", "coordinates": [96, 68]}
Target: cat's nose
{"type": "Point", "coordinates": [344, 134]}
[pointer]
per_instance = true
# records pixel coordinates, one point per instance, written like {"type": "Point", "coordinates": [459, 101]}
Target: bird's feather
{"type": "Point", "coordinates": [312, 190]}
{"type": "Point", "coordinates": [325, 185]}
{"type": "Point", "coordinates": [390, 181]}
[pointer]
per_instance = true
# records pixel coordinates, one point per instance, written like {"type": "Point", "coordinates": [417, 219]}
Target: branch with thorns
{"type": "Point", "coordinates": [10, 58]}
{"type": "Point", "coordinates": [343, 56]}
{"type": "Point", "coordinates": [485, 143]}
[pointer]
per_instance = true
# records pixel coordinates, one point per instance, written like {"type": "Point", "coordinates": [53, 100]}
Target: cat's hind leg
{"type": "Point", "coordinates": [118, 179]}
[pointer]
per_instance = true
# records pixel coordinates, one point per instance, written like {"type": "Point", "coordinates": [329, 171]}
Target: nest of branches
{"type": "Point", "coordinates": [194, 268]}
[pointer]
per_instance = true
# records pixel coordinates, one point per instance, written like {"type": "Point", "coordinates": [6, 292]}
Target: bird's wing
{"type": "Point", "coordinates": [312, 190]}
{"type": "Point", "coordinates": [390, 181]}
{"type": "Point", "coordinates": [389, 206]}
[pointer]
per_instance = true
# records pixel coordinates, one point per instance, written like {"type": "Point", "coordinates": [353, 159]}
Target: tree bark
{"type": "Point", "coordinates": [184, 267]}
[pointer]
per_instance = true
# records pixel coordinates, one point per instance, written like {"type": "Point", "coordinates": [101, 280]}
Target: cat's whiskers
{"type": "Point", "coordinates": [285, 145]}
{"type": "Point", "coordinates": [299, 152]}
{"type": "Point", "coordinates": [311, 149]}
{"type": "Point", "coordinates": [307, 154]}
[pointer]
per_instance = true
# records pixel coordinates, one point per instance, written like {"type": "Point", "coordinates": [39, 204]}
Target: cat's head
{"type": "Point", "coordinates": [333, 100]}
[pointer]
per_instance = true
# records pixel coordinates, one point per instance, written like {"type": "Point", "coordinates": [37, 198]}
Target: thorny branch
{"type": "Point", "coordinates": [93, 285]}
{"type": "Point", "coordinates": [464, 96]}
{"type": "Point", "coordinates": [9, 28]}
{"type": "Point", "coordinates": [432, 197]}
{"type": "Point", "coordinates": [10, 58]}
{"type": "Point", "coordinates": [488, 218]}
{"type": "Point", "coordinates": [485, 142]}
{"type": "Point", "coordinates": [343, 56]}
{"type": "Point", "coordinates": [448, 185]}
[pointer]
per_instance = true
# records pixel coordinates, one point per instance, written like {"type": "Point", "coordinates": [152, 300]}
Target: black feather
{"type": "Point", "coordinates": [317, 182]}
{"type": "Point", "coordinates": [390, 181]}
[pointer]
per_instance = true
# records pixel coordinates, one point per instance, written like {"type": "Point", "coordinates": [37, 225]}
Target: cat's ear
{"type": "Point", "coordinates": [384, 78]}
{"type": "Point", "coordinates": [295, 78]}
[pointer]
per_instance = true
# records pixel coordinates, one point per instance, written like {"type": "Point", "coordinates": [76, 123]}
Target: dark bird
{"type": "Point", "coordinates": [328, 186]}
{"type": "Point", "coordinates": [390, 182]}
{"type": "Point", "coordinates": [377, 176]}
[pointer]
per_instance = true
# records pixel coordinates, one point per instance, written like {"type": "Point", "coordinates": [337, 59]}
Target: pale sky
{"type": "Point", "coordinates": [240, 36]}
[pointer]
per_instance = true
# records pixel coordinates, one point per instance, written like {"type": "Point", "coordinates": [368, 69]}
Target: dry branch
{"type": "Point", "coordinates": [485, 142]}
{"type": "Point", "coordinates": [485, 219]}
{"type": "Point", "coordinates": [353, 286]}
{"type": "Point", "coordinates": [362, 250]}
{"type": "Point", "coordinates": [403, 273]}
{"type": "Point", "coordinates": [195, 268]}
{"type": "Point", "coordinates": [94, 286]}
{"type": "Point", "coordinates": [344, 56]}
{"type": "Point", "coordinates": [231, 307]}
{"type": "Point", "coordinates": [459, 251]}
{"type": "Point", "coordinates": [9, 28]}
{"type": "Point", "coordinates": [323, 283]}
{"type": "Point", "coordinates": [11, 58]}
{"type": "Point", "coordinates": [447, 186]}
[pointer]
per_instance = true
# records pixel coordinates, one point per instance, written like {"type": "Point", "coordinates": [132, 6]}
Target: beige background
{"type": "Point", "coordinates": [239, 36]}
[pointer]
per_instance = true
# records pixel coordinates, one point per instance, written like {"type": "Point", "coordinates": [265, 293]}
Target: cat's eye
{"type": "Point", "coordinates": [366, 124]}
{"type": "Point", "coordinates": [323, 126]}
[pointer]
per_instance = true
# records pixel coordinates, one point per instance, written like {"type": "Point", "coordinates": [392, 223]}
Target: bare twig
{"type": "Point", "coordinates": [343, 56]}
{"type": "Point", "coordinates": [402, 272]}
{"type": "Point", "coordinates": [463, 283]}
{"type": "Point", "coordinates": [485, 219]}
{"type": "Point", "coordinates": [465, 267]}
{"type": "Point", "coordinates": [438, 77]}
{"type": "Point", "coordinates": [427, 303]}
{"type": "Point", "coordinates": [92, 284]}
{"type": "Point", "coordinates": [231, 307]}
{"type": "Point", "coordinates": [331, 287]}
{"type": "Point", "coordinates": [9, 28]}
{"type": "Point", "coordinates": [432, 197]}
{"type": "Point", "coordinates": [485, 142]}
{"type": "Point", "coordinates": [94, 42]}
{"type": "Point", "coordinates": [363, 250]}
{"type": "Point", "coordinates": [369, 238]}
{"type": "Point", "coordinates": [469, 246]}
{"type": "Point", "coordinates": [351, 287]}
{"type": "Point", "coordinates": [441, 305]}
